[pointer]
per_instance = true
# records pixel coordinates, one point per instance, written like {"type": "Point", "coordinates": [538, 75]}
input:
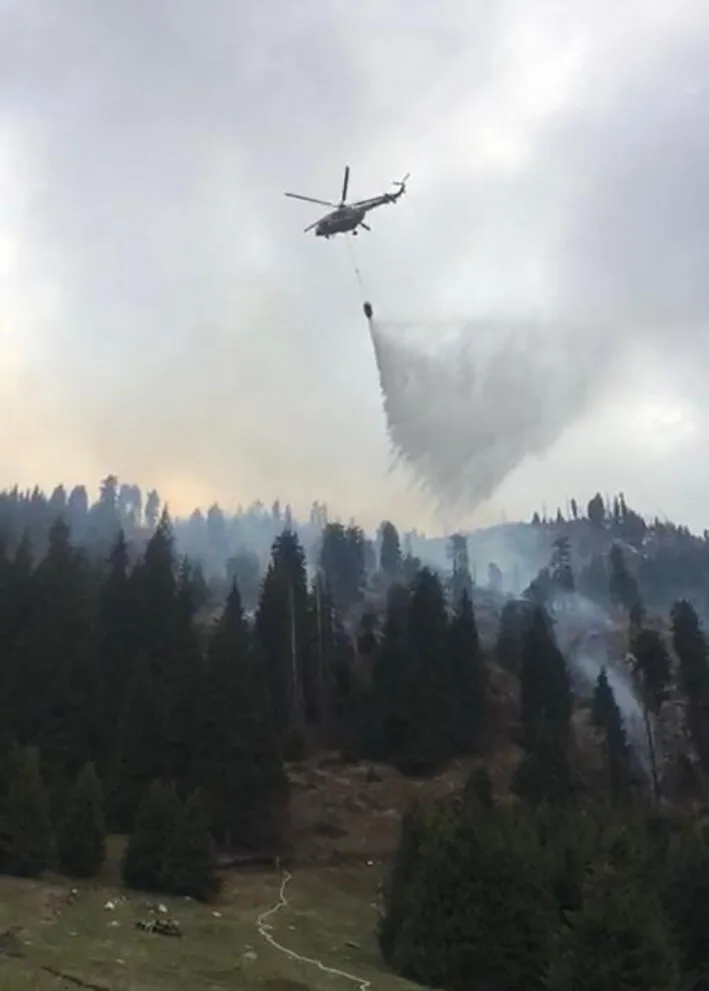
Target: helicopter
{"type": "Point", "coordinates": [348, 217]}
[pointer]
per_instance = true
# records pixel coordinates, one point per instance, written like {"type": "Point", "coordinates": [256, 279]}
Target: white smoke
{"type": "Point", "coordinates": [466, 404]}
{"type": "Point", "coordinates": [584, 632]}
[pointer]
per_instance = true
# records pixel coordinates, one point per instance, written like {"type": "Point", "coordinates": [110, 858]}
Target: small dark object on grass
{"type": "Point", "coordinates": [163, 927]}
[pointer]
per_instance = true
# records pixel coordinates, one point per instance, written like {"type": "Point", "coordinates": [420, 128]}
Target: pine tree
{"type": "Point", "coordinates": [478, 908]}
{"type": "Point", "coordinates": [57, 685]}
{"type": "Point", "coordinates": [622, 586]}
{"type": "Point", "coordinates": [155, 823]}
{"type": "Point", "coordinates": [430, 690]}
{"type": "Point", "coordinates": [686, 897]}
{"type": "Point", "coordinates": [596, 510]}
{"type": "Point", "coordinates": [189, 865]}
{"type": "Point", "coordinates": [239, 757]}
{"type": "Point", "coordinates": [691, 649]}
{"type": "Point", "coordinates": [468, 676]}
{"type": "Point", "coordinates": [397, 893]}
{"type": "Point", "coordinates": [343, 564]}
{"type": "Point", "coordinates": [81, 837]}
{"type": "Point", "coordinates": [653, 667]}
{"type": "Point", "coordinates": [390, 556]}
{"type": "Point", "coordinates": [618, 939]}
{"type": "Point", "coordinates": [27, 827]}
{"type": "Point", "coordinates": [606, 717]}
{"type": "Point", "coordinates": [115, 646]}
{"type": "Point", "coordinates": [545, 688]}
{"type": "Point", "coordinates": [545, 698]}
{"type": "Point", "coordinates": [284, 636]}
{"type": "Point", "coordinates": [509, 638]}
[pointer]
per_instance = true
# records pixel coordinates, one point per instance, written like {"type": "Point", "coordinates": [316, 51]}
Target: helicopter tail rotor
{"type": "Point", "coordinates": [345, 185]}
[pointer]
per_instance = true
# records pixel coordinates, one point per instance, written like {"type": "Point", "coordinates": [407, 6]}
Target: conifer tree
{"type": "Point", "coordinates": [115, 646]}
{"type": "Point", "coordinates": [622, 586]}
{"type": "Point", "coordinates": [430, 689]}
{"type": "Point", "coordinates": [686, 897]}
{"type": "Point", "coordinates": [81, 837]}
{"type": "Point", "coordinates": [509, 638]}
{"type": "Point", "coordinates": [390, 556]}
{"type": "Point", "coordinates": [545, 697]}
{"type": "Point", "coordinates": [545, 688]}
{"type": "Point", "coordinates": [189, 865]}
{"type": "Point", "coordinates": [475, 879]}
{"type": "Point", "coordinates": [397, 893]}
{"type": "Point", "coordinates": [691, 649]}
{"type": "Point", "coordinates": [468, 677]}
{"type": "Point", "coordinates": [606, 717]}
{"type": "Point", "coordinates": [382, 713]}
{"type": "Point", "coordinates": [239, 760]}
{"type": "Point", "coordinates": [155, 821]}
{"type": "Point", "coordinates": [27, 827]}
{"type": "Point", "coordinates": [283, 633]}
{"type": "Point", "coordinates": [653, 667]}
{"type": "Point", "coordinates": [618, 939]}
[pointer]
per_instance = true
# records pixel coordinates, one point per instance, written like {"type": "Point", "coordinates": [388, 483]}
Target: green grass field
{"type": "Point", "coordinates": [331, 917]}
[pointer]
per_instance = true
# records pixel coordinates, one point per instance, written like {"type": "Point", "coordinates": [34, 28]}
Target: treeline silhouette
{"type": "Point", "coordinates": [134, 703]}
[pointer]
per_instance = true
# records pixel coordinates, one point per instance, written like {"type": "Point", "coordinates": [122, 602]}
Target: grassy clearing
{"type": "Point", "coordinates": [331, 916]}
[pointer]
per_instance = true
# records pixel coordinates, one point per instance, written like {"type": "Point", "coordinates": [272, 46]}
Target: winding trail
{"type": "Point", "coordinates": [265, 931]}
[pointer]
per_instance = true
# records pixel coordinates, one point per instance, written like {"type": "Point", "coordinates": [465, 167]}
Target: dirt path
{"type": "Point", "coordinates": [265, 931]}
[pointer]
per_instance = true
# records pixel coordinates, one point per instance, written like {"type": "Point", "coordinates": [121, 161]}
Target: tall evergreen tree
{"type": "Point", "coordinates": [239, 760]}
{"type": "Point", "coordinates": [189, 864]}
{"type": "Point", "coordinates": [390, 556]}
{"type": "Point", "coordinates": [617, 939]}
{"type": "Point", "coordinates": [468, 676]}
{"type": "Point", "coordinates": [691, 649]}
{"type": "Point", "coordinates": [622, 586]}
{"type": "Point", "coordinates": [342, 564]}
{"type": "Point", "coordinates": [27, 827]}
{"type": "Point", "coordinates": [283, 634]}
{"type": "Point", "coordinates": [430, 689]}
{"type": "Point", "coordinates": [606, 717]}
{"type": "Point", "coordinates": [57, 683]}
{"type": "Point", "coordinates": [115, 646]}
{"type": "Point", "coordinates": [144, 858]}
{"type": "Point", "coordinates": [545, 697]}
{"type": "Point", "coordinates": [545, 688]}
{"type": "Point", "coordinates": [509, 638]}
{"type": "Point", "coordinates": [81, 837]}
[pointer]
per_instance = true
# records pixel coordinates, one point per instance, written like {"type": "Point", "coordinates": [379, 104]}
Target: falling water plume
{"type": "Point", "coordinates": [465, 403]}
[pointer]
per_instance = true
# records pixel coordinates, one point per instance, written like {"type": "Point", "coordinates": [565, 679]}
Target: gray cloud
{"type": "Point", "coordinates": [190, 336]}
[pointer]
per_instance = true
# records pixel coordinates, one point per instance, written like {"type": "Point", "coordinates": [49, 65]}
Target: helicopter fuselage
{"type": "Point", "coordinates": [340, 221]}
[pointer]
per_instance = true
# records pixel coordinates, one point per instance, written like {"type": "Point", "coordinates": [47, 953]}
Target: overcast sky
{"type": "Point", "coordinates": [163, 317]}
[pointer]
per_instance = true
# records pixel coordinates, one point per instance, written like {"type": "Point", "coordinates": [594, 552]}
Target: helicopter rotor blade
{"type": "Point", "coordinates": [310, 199]}
{"type": "Point", "coordinates": [345, 184]}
